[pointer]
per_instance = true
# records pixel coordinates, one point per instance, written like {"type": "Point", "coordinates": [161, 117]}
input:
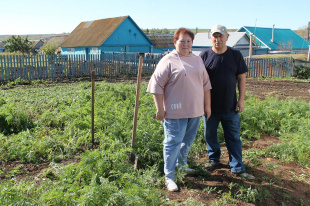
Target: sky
{"type": "Point", "coordinates": [21, 17]}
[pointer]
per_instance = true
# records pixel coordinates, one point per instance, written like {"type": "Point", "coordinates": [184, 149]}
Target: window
{"type": "Point", "coordinates": [94, 50]}
{"type": "Point", "coordinates": [71, 49]}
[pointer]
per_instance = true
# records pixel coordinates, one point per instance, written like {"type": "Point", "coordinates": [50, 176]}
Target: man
{"type": "Point", "coordinates": [226, 68]}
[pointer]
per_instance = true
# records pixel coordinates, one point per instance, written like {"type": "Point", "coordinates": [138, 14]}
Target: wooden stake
{"type": "Point", "coordinates": [135, 159]}
{"type": "Point", "coordinates": [92, 108]}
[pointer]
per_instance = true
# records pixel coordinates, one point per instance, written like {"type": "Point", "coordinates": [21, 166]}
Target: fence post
{"type": "Point", "coordinates": [93, 108]}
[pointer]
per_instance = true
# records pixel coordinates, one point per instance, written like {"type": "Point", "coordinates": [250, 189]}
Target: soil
{"type": "Point", "coordinates": [283, 183]}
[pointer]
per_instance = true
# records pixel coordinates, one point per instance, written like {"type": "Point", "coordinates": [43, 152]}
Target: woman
{"type": "Point", "coordinates": [181, 89]}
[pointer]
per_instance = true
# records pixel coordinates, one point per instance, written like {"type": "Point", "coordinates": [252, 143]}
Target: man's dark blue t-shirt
{"type": "Point", "coordinates": [223, 70]}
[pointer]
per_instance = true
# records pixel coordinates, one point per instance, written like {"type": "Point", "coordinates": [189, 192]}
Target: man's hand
{"type": "Point", "coordinates": [240, 106]}
{"type": "Point", "coordinates": [208, 113]}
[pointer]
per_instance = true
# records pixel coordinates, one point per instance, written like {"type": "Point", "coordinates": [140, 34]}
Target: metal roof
{"type": "Point", "coordinates": [204, 40]}
{"type": "Point", "coordinates": [264, 35]}
{"type": "Point", "coordinates": [95, 33]}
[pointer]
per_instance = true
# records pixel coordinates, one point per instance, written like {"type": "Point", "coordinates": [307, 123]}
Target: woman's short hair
{"type": "Point", "coordinates": [183, 31]}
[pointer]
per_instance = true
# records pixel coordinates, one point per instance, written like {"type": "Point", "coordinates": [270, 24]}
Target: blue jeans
{"type": "Point", "coordinates": [231, 127]}
{"type": "Point", "coordinates": [179, 135]}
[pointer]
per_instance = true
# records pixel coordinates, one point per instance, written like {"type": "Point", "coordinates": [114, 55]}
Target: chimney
{"type": "Point", "coordinates": [272, 38]}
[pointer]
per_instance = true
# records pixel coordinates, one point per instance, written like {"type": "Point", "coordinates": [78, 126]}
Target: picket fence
{"type": "Point", "coordinates": [35, 67]}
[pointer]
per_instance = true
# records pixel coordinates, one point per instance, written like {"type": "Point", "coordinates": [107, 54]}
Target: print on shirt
{"type": "Point", "coordinates": [176, 106]}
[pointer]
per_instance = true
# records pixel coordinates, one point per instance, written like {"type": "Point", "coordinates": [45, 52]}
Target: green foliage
{"type": "Point", "coordinates": [88, 183]}
{"type": "Point", "coordinates": [49, 48]}
{"type": "Point", "coordinates": [12, 119]}
{"type": "Point", "coordinates": [157, 31]}
{"type": "Point", "coordinates": [302, 72]}
{"type": "Point", "coordinates": [53, 123]}
{"type": "Point", "coordinates": [289, 119]}
{"type": "Point", "coordinates": [21, 44]}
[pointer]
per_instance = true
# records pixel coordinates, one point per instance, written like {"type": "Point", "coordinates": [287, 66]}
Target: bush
{"type": "Point", "coordinates": [302, 72]}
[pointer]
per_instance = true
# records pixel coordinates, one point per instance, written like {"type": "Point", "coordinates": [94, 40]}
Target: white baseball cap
{"type": "Point", "coordinates": [219, 28]}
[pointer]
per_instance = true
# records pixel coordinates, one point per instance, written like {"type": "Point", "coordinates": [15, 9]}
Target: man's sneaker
{"type": "Point", "coordinates": [211, 165]}
{"type": "Point", "coordinates": [187, 170]}
{"type": "Point", "coordinates": [171, 186]}
{"type": "Point", "coordinates": [246, 176]}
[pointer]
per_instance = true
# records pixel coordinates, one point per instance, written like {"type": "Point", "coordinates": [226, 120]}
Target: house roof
{"type": "Point", "coordinates": [204, 40]}
{"type": "Point", "coordinates": [264, 35]}
{"type": "Point", "coordinates": [95, 33]}
{"type": "Point", "coordinates": [57, 39]}
{"type": "Point", "coordinates": [162, 40]}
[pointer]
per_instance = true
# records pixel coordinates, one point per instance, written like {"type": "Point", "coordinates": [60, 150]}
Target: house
{"type": "Point", "coordinates": [276, 40]}
{"type": "Point", "coordinates": [162, 42]}
{"type": "Point", "coordinates": [36, 45]}
{"type": "Point", "coordinates": [120, 34]}
{"type": "Point", "coordinates": [237, 40]}
{"type": "Point", "coordinates": [57, 39]}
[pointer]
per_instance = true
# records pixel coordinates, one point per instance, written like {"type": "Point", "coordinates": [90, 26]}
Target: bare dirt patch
{"type": "Point", "coordinates": [281, 88]}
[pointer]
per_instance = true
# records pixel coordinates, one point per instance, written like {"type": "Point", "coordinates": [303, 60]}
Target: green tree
{"type": "Point", "coordinates": [49, 48]}
{"type": "Point", "coordinates": [18, 44]}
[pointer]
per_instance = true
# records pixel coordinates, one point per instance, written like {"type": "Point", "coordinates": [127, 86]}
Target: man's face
{"type": "Point", "coordinates": [219, 40]}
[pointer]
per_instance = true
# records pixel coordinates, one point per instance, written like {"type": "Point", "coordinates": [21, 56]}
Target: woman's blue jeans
{"type": "Point", "coordinates": [179, 135]}
{"type": "Point", "coordinates": [231, 127]}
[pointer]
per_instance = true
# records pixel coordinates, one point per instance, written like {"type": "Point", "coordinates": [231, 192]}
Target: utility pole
{"type": "Point", "coordinates": [309, 31]}
{"type": "Point", "coordinates": [250, 50]}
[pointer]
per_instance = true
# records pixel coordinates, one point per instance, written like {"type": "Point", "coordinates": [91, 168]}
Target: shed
{"type": "Point", "coordinates": [237, 40]}
{"type": "Point", "coordinates": [36, 45]}
{"type": "Point", "coordinates": [276, 39]}
{"type": "Point", "coordinates": [119, 34]}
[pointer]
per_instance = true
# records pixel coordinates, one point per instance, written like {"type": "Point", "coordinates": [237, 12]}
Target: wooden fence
{"type": "Point", "coordinates": [277, 67]}
{"type": "Point", "coordinates": [34, 67]}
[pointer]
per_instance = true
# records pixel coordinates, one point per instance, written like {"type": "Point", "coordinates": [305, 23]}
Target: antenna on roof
{"type": "Point", "coordinates": [308, 31]}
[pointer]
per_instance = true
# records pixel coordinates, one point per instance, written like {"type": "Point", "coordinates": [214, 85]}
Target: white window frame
{"type": "Point", "coordinates": [71, 50]}
{"type": "Point", "coordinates": [94, 50]}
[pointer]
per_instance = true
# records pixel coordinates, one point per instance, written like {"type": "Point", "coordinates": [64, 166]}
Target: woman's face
{"type": "Point", "coordinates": [184, 44]}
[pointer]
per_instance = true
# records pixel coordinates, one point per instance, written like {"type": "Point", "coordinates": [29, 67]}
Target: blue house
{"type": "Point", "coordinates": [275, 40]}
{"type": "Point", "coordinates": [120, 34]}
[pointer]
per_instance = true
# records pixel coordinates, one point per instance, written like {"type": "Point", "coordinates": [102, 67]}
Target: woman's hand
{"type": "Point", "coordinates": [160, 115]}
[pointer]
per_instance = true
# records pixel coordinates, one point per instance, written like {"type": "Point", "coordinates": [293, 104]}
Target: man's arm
{"type": "Point", "coordinates": [241, 88]}
{"type": "Point", "coordinates": [159, 103]}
